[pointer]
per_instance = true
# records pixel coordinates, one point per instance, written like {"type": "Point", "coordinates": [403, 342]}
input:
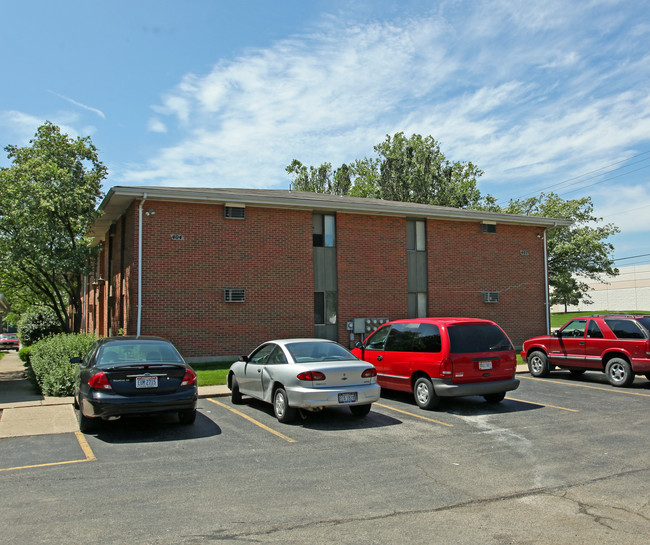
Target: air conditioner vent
{"type": "Point", "coordinates": [490, 296]}
{"type": "Point", "coordinates": [235, 212]}
{"type": "Point", "coordinates": [234, 295]}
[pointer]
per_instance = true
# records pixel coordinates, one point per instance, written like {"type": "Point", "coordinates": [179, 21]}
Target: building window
{"type": "Point", "coordinates": [489, 228]}
{"type": "Point", "coordinates": [416, 253]}
{"type": "Point", "coordinates": [324, 230]}
{"type": "Point", "coordinates": [234, 295]}
{"type": "Point", "coordinates": [325, 308]}
{"type": "Point", "coordinates": [415, 236]}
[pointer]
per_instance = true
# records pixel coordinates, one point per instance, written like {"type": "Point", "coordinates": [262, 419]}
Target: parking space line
{"type": "Point", "coordinates": [252, 420]}
{"type": "Point", "coordinates": [85, 447]}
{"type": "Point", "coordinates": [413, 414]}
{"type": "Point", "coordinates": [588, 386]}
{"type": "Point", "coordinates": [543, 405]}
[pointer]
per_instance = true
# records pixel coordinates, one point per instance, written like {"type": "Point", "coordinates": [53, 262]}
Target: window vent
{"type": "Point", "coordinates": [490, 296]}
{"type": "Point", "coordinates": [489, 227]}
{"type": "Point", "coordinates": [231, 295]}
{"type": "Point", "coordinates": [235, 212]}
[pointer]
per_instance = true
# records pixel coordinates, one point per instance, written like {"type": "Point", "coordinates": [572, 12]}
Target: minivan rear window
{"type": "Point", "coordinates": [469, 338]}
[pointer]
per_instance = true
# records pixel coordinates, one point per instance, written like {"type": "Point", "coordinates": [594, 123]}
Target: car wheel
{"type": "Point", "coordinates": [577, 372]}
{"type": "Point", "coordinates": [281, 408]}
{"type": "Point", "coordinates": [619, 372]}
{"type": "Point", "coordinates": [236, 394]}
{"type": "Point", "coordinates": [538, 364]}
{"type": "Point", "coordinates": [86, 424]}
{"type": "Point", "coordinates": [187, 417]}
{"type": "Point", "coordinates": [494, 398]}
{"type": "Point", "coordinates": [360, 410]}
{"type": "Point", "coordinates": [424, 394]}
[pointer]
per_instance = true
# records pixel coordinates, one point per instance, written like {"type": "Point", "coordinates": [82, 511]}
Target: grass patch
{"type": "Point", "coordinates": [211, 373]}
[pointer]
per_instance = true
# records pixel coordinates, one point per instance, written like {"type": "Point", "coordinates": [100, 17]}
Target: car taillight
{"type": "Point", "coordinates": [311, 375]}
{"type": "Point", "coordinates": [369, 373]}
{"type": "Point", "coordinates": [189, 378]}
{"type": "Point", "coordinates": [446, 367]}
{"type": "Point", "coordinates": [99, 382]}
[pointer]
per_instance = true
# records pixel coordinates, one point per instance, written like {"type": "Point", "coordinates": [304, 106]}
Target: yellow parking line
{"type": "Point", "coordinates": [543, 405]}
{"type": "Point", "coordinates": [616, 391]}
{"type": "Point", "coordinates": [85, 447]}
{"type": "Point", "coordinates": [282, 436]}
{"type": "Point", "coordinates": [413, 414]}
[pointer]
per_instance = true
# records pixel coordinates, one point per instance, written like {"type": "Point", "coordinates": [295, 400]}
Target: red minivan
{"type": "Point", "coordinates": [442, 357]}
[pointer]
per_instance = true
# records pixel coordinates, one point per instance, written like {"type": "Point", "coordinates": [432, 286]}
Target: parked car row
{"type": "Point", "coordinates": [431, 358]}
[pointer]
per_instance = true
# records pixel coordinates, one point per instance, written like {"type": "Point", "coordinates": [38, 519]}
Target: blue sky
{"type": "Point", "coordinates": [543, 96]}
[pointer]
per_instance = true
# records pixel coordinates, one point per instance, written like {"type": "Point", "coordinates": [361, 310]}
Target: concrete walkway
{"type": "Point", "coordinates": [24, 412]}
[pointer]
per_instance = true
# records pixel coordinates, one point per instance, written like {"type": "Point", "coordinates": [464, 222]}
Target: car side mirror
{"type": "Point", "coordinates": [359, 344]}
{"type": "Point", "coordinates": [557, 333]}
{"type": "Point", "coordinates": [244, 358]}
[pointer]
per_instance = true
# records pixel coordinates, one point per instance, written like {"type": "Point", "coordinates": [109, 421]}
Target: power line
{"type": "Point", "coordinates": [592, 172]}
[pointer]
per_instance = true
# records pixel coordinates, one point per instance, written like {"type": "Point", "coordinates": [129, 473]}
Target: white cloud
{"type": "Point", "coordinates": [521, 91]}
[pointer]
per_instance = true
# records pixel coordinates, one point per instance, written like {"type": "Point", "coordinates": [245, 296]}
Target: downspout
{"type": "Point", "coordinates": [144, 198]}
{"type": "Point", "coordinates": [546, 284]}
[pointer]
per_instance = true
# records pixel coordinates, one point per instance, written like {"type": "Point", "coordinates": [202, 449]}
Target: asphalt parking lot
{"type": "Point", "coordinates": [561, 460]}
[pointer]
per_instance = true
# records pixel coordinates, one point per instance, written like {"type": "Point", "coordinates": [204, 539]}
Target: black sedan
{"type": "Point", "coordinates": [123, 376]}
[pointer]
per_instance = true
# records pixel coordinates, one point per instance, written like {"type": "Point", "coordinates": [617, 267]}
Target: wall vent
{"type": "Point", "coordinates": [234, 295]}
{"type": "Point", "coordinates": [235, 212]}
{"type": "Point", "coordinates": [490, 296]}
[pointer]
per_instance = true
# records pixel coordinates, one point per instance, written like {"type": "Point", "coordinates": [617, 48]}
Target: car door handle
{"type": "Point", "coordinates": [379, 358]}
{"type": "Point", "coordinates": [582, 342]}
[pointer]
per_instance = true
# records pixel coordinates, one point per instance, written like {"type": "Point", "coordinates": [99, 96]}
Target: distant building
{"type": "Point", "coordinates": [218, 271]}
{"type": "Point", "coordinates": [628, 291]}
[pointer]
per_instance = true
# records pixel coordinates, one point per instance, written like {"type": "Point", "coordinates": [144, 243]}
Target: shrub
{"type": "Point", "coordinates": [50, 362]}
{"type": "Point", "coordinates": [36, 324]}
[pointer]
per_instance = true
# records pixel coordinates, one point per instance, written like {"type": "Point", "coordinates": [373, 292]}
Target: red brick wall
{"type": "Point", "coordinates": [371, 266]}
{"type": "Point", "coordinates": [269, 254]}
{"type": "Point", "coordinates": [464, 262]}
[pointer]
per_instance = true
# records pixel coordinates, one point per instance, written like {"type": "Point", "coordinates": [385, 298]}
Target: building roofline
{"type": "Point", "coordinates": [119, 198]}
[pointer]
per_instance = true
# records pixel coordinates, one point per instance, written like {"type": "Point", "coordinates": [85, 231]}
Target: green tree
{"type": "Point", "coordinates": [406, 169]}
{"type": "Point", "coordinates": [580, 249]}
{"type": "Point", "coordinates": [48, 202]}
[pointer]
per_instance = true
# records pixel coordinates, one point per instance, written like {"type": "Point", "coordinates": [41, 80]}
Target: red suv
{"type": "Point", "coordinates": [442, 357]}
{"type": "Point", "coordinates": [618, 345]}
{"type": "Point", "coordinates": [9, 341]}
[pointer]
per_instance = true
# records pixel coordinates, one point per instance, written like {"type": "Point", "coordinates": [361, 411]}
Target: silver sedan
{"type": "Point", "coordinates": [309, 374]}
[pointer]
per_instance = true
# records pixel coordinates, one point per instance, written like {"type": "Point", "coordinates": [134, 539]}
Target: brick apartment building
{"type": "Point", "coordinates": [218, 271]}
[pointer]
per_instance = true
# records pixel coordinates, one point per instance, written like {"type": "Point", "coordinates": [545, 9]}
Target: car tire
{"type": "Point", "coordinates": [538, 364]}
{"type": "Point", "coordinates": [619, 372]}
{"type": "Point", "coordinates": [360, 410]}
{"type": "Point", "coordinates": [236, 397]}
{"type": "Point", "coordinates": [495, 398]}
{"type": "Point", "coordinates": [647, 375]}
{"type": "Point", "coordinates": [424, 394]}
{"type": "Point", "coordinates": [86, 424]}
{"type": "Point", "coordinates": [281, 408]}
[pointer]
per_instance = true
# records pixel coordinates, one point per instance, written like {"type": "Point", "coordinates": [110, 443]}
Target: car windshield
{"type": "Point", "coordinates": [9, 336]}
{"type": "Point", "coordinates": [303, 352]}
{"type": "Point", "coordinates": [127, 352]}
{"type": "Point", "coordinates": [469, 338]}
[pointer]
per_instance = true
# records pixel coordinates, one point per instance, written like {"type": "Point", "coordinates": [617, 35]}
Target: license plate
{"type": "Point", "coordinates": [485, 365]}
{"type": "Point", "coordinates": [348, 398]}
{"type": "Point", "coordinates": [146, 382]}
